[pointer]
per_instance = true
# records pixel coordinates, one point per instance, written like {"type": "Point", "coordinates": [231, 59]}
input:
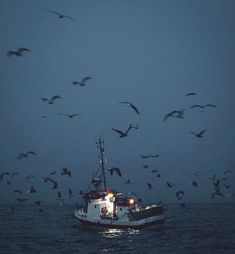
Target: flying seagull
{"type": "Point", "coordinates": [52, 99]}
{"type": "Point", "coordinates": [18, 52]}
{"type": "Point", "coordinates": [70, 115]}
{"type": "Point", "coordinates": [117, 170]}
{"type": "Point", "coordinates": [83, 82]}
{"type": "Point", "coordinates": [175, 113]}
{"type": "Point", "coordinates": [199, 134]}
{"type": "Point", "coordinates": [179, 194]}
{"type": "Point", "coordinates": [169, 185]}
{"type": "Point", "coordinates": [2, 174]}
{"type": "Point", "coordinates": [25, 155]}
{"type": "Point", "coordinates": [149, 156]}
{"type": "Point", "coordinates": [203, 106]}
{"type": "Point", "coordinates": [195, 184]}
{"type": "Point", "coordinates": [150, 187]}
{"type": "Point", "coordinates": [31, 190]}
{"type": "Point", "coordinates": [121, 133]}
{"type": "Point", "coordinates": [48, 179]}
{"type": "Point", "coordinates": [60, 15]}
{"type": "Point", "coordinates": [190, 94]}
{"type": "Point", "coordinates": [131, 105]}
{"type": "Point", "coordinates": [67, 172]}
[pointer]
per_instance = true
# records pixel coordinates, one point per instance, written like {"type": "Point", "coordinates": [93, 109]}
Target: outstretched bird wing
{"type": "Point", "coordinates": [118, 131]}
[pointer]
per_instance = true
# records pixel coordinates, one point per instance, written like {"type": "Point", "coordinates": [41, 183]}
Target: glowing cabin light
{"type": "Point", "coordinates": [131, 201]}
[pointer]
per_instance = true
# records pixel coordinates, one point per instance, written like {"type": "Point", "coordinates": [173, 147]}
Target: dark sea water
{"type": "Point", "coordinates": [207, 228]}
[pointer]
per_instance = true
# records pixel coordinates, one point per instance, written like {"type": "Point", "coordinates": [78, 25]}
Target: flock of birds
{"type": "Point", "coordinates": [7, 177]}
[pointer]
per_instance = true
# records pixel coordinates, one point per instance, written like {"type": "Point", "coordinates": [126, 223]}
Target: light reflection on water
{"type": "Point", "coordinates": [115, 233]}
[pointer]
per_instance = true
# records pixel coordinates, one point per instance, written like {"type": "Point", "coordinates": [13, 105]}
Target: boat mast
{"type": "Point", "coordinates": [100, 144]}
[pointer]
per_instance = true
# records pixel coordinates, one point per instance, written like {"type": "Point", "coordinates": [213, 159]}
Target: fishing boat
{"type": "Point", "coordinates": [108, 208]}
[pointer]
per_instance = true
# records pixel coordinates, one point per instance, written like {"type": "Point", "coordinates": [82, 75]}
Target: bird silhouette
{"type": "Point", "coordinates": [67, 172]}
{"type": "Point", "coordinates": [149, 156]}
{"type": "Point", "coordinates": [131, 105]}
{"type": "Point", "coordinates": [175, 113]}
{"type": "Point", "coordinates": [199, 134]}
{"type": "Point", "coordinates": [60, 15]}
{"type": "Point", "coordinates": [179, 194]}
{"type": "Point", "coordinates": [203, 106]}
{"type": "Point", "coordinates": [83, 82]}
{"type": "Point", "coordinates": [114, 169]}
{"type": "Point", "coordinates": [149, 185]}
{"type": "Point", "coordinates": [170, 185]}
{"type": "Point", "coordinates": [195, 184]}
{"type": "Point", "coordinates": [156, 172]}
{"type": "Point", "coordinates": [21, 200]}
{"type": "Point", "coordinates": [48, 179]}
{"type": "Point", "coordinates": [52, 99]}
{"type": "Point", "coordinates": [18, 52]}
{"type": "Point", "coordinates": [25, 155]}
{"type": "Point", "coordinates": [2, 174]}
{"type": "Point", "coordinates": [14, 174]}
{"type": "Point", "coordinates": [121, 133]}
{"type": "Point", "coordinates": [29, 176]}
{"type": "Point", "coordinates": [190, 94]}
{"type": "Point", "coordinates": [17, 191]}
{"type": "Point", "coordinates": [31, 190]}
{"type": "Point", "coordinates": [70, 195]}
{"type": "Point", "coordinates": [216, 194]}
{"type": "Point", "coordinates": [70, 115]}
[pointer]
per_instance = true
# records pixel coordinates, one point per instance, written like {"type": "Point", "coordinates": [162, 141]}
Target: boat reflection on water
{"type": "Point", "coordinates": [114, 233]}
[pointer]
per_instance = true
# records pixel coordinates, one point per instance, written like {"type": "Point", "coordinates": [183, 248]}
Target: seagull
{"type": "Point", "coordinates": [70, 115]}
{"type": "Point", "coordinates": [175, 113]}
{"type": "Point", "coordinates": [52, 99]}
{"type": "Point", "coordinates": [131, 105]}
{"type": "Point", "coordinates": [18, 52]}
{"type": "Point", "coordinates": [179, 194]}
{"type": "Point", "coordinates": [48, 179]}
{"type": "Point", "coordinates": [70, 193]}
{"type": "Point", "coordinates": [14, 174]}
{"type": "Point", "coordinates": [228, 171]}
{"type": "Point", "coordinates": [117, 170]}
{"type": "Point", "coordinates": [149, 156]}
{"type": "Point", "coordinates": [30, 176]}
{"type": "Point", "coordinates": [158, 174]}
{"type": "Point", "coordinates": [216, 194]}
{"type": "Point", "coordinates": [65, 171]}
{"type": "Point", "coordinates": [121, 133]}
{"type": "Point", "coordinates": [83, 82]}
{"type": "Point", "coordinates": [150, 187]}
{"type": "Point", "coordinates": [203, 106]}
{"type": "Point", "coordinates": [190, 94]}
{"type": "Point", "coordinates": [195, 184]}
{"type": "Point", "coordinates": [31, 190]}
{"type": "Point", "coordinates": [60, 15]}
{"type": "Point", "coordinates": [145, 166]}
{"type": "Point", "coordinates": [17, 191]}
{"type": "Point", "coordinates": [59, 194]}
{"type": "Point", "coordinates": [53, 172]}
{"type": "Point", "coordinates": [24, 155]}
{"type": "Point", "coordinates": [38, 203]}
{"type": "Point", "coordinates": [20, 200]}
{"type": "Point", "coordinates": [2, 174]}
{"type": "Point", "coordinates": [199, 134]}
{"type": "Point", "coordinates": [169, 185]}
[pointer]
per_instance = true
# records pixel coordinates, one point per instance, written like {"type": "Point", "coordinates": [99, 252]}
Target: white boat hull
{"type": "Point", "coordinates": [121, 223]}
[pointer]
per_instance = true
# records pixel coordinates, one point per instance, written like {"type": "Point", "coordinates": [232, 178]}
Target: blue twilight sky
{"type": "Point", "coordinates": [147, 52]}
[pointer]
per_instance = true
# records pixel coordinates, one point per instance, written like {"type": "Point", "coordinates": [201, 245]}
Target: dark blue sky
{"type": "Point", "coordinates": [150, 53]}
